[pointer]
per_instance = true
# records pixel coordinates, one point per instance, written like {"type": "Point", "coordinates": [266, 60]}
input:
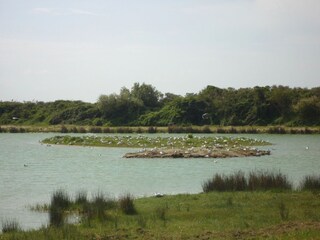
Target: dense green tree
{"type": "Point", "coordinates": [144, 105]}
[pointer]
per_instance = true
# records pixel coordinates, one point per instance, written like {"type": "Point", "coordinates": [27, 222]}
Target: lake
{"type": "Point", "coordinates": [30, 171]}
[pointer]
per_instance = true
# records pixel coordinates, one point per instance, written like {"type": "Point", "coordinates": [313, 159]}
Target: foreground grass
{"type": "Point", "coordinates": [227, 215]}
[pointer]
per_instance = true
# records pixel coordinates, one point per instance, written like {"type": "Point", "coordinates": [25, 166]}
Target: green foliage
{"type": "Point", "coordinates": [144, 105]}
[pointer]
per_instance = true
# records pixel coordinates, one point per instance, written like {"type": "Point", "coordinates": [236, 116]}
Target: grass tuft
{"type": "Point", "coordinates": [311, 182]}
{"type": "Point", "coordinates": [257, 181]}
{"type": "Point", "coordinates": [10, 226]}
{"type": "Point", "coordinates": [126, 204]}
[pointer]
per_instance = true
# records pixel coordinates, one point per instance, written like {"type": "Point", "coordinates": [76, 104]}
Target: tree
{"type": "Point", "coordinates": [308, 110]}
{"type": "Point", "coordinates": [147, 94]}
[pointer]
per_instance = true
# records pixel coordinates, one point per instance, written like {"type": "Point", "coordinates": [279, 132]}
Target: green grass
{"type": "Point", "coordinates": [141, 141]}
{"type": "Point", "coordinates": [227, 215]}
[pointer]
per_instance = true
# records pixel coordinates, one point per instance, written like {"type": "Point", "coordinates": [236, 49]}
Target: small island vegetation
{"type": "Point", "coordinates": [188, 146]}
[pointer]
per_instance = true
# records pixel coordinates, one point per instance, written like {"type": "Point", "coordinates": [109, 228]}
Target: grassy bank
{"type": "Point", "coordinates": [155, 129]}
{"type": "Point", "coordinates": [228, 215]}
{"type": "Point", "coordinates": [275, 212]}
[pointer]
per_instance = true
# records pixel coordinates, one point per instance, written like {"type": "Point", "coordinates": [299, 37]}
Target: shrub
{"type": "Point", "coordinates": [126, 204]}
{"type": "Point", "coordinates": [10, 226]}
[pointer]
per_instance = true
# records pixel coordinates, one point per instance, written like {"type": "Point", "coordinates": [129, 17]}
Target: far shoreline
{"type": "Point", "coordinates": [206, 129]}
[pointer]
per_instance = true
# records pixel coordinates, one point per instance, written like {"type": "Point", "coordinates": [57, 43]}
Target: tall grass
{"type": "Point", "coordinates": [60, 201]}
{"type": "Point", "coordinates": [257, 181]}
{"type": "Point", "coordinates": [126, 204]}
{"type": "Point", "coordinates": [263, 180]}
{"type": "Point", "coordinates": [221, 183]}
{"type": "Point", "coordinates": [310, 183]}
{"type": "Point", "coordinates": [10, 226]}
{"type": "Point", "coordinates": [81, 197]}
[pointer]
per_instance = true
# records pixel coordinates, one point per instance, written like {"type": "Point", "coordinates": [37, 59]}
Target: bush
{"type": "Point", "coordinates": [126, 204]}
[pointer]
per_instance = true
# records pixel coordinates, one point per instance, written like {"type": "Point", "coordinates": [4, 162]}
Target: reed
{"type": "Point", "coordinates": [221, 183]}
{"type": "Point", "coordinates": [81, 197]}
{"type": "Point", "coordinates": [60, 201]}
{"type": "Point", "coordinates": [64, 129]}
{"type": "Point", "coordinates": [311, 182]}
{"type": "Point", "coordinates": [264, 180]}
{"type": "Point", "coordinates": [10, 226]}
{"type": "Point", "coordinates": [152, 130]}
{"type": "Point", "coordinates": [126, 204]}
{"type": "Point", "coordinates": [257, 181]}
{"type": "Point", "coordinates": [95, 130]}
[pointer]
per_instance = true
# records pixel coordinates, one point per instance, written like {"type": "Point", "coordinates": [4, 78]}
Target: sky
{"type": "Point", "coordinates": [80, 49]}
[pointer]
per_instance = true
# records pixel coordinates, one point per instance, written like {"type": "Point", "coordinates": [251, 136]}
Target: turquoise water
{"type": "Point", "coordinates": [30, 171]}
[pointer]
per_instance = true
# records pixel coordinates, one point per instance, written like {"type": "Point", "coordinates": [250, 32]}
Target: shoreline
{"type": "Point", "coordinates": [198, 153]}
{"type": "Point", "coordinates": [276, 129]}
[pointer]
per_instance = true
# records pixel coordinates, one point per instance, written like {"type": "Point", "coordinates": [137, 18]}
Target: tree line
{"type": "Point", "coordinates": [144, 105]}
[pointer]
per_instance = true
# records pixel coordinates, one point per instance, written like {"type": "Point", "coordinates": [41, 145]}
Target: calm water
{"type": "Point", "coordinates": [103, 169]}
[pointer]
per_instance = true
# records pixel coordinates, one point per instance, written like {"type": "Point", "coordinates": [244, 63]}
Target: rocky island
{"type": "Point", "coordinates": [188, 146]}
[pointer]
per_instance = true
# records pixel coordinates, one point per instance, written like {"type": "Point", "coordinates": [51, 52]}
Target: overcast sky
{"type": "Point", "coordinates": [80, 49]}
